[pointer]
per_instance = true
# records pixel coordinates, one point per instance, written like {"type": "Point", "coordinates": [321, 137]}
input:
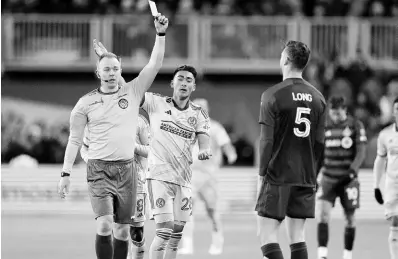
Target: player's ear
{"type": "Point", "coordinates": [194, 87]}
{"type": "Point", "coordinates": [171, 84]}
{"type": "Point", "coordinates": [97, 74]}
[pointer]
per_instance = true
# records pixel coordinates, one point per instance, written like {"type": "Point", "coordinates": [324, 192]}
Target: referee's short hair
{"type": "Point", "coordinates": [298, 54]}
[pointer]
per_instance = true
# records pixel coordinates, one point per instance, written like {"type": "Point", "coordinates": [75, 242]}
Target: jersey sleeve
{"type": "Point", "coordinates": [267, 113]}
{"type": "Point", "coordinates": [381, 147]}
{"type": "Point", "coordinates": [360, 133]}
{"type": "Point", "coordinates": [203, 124]}
{"type": "Point", "coordinates": [320, 129]}
{"type": "Point", "coordinates": [149, 102]}
{"type": "Point", "coordinates": [221, 135]}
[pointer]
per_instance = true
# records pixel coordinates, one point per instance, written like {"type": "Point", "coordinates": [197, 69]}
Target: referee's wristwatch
{"type": "Point", "coordinates": [63, 174]}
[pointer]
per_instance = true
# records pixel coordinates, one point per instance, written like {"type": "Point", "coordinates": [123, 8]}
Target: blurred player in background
{"type": "Point", "coordinates": [387, 161]}
{"type": "Point", "coordinates": [110, 114]}
{"type": "Point", "coordinates": [204, 183]}
{"type": "Point", "coordinates": [176, 124]}
{"type": "Point", "coordinates": [345, 150]}
{"type": "Point", "coordinates": [292, 120]}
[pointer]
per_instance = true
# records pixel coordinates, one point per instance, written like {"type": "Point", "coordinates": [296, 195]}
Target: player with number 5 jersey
{"type": "Point", "coordinates": [292, 117]}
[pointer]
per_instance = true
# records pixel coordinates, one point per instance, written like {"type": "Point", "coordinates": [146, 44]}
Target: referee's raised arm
{"type": "Point", "coordinates": [149, 72]}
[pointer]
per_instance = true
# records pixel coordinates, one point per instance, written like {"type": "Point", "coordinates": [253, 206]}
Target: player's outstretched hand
{"type": "Point", "coordinates": [379, 196]}
{"type": "Point", "coordinates": [99, 48]}
{"type": "Point", "coordinates": [161, 23]}
{"type": "Point", "coordinates": [204, 154]}
{"type": "Point", "coordinates": [63, 186]}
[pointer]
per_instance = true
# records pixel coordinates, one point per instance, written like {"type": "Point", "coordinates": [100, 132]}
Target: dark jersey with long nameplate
{"type": "Point", "coordinates": [293, 114]}
{"type": "Point", "coordinates": [341, 144]}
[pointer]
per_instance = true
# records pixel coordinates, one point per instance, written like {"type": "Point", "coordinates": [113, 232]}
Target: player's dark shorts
{"type": "Point", "coordinates": [347, 190]}
{"type": "Point", "coordinates": [279, 201]}
{"type": "Point", "coordinates": [112, 188]}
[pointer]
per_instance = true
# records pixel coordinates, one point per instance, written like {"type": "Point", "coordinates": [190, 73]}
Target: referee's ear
{"type": "Point", "coordinates": [98, 75]}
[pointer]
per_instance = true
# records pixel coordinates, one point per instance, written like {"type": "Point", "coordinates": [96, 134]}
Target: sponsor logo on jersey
{"type": "Point", "coordinates": [174, 129]}
{"type": "Point", "coordinates": [345, 142]}
{"type": "Point", "coordinates": [168, 112]}
{"type": "Point", "coordinates": [123, 103]}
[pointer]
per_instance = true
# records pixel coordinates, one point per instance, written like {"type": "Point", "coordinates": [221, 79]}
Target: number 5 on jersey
{"type": "Point", "coordinates": [300, 120]}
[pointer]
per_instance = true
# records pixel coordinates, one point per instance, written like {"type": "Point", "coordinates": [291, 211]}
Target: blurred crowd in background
{"type": "Point", "coordinates": [372, 8]}
{"type": "Point", "coordinates": [369, 97]}
{"type": "Point", "coordinates": [369, 93]}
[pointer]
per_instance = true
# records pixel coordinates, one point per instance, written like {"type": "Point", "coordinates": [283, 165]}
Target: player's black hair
{"type": "Point", "coordinates": [336, 102]}
{"type": "Point", "coordinates": [395, 101]}
{"type": "Point", "coordinates": [298, 53]}
{"type": "Point", "coordinates": [186, 68]}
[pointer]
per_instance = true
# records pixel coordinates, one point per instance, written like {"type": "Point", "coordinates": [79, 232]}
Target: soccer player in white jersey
{"type": "Point", "coordinates": [110, 114]}
{"type": "Point", "coordinates": [387, 161]}
{"type": "Point", "coordinates": [204, 183]}
{"type": "Point", "coordinates": [141, 151]}
{"type": "Point", "coordinates": [176, 124]}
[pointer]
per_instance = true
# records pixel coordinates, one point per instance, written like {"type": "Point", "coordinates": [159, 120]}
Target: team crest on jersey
{"type": "Point", "coordinates": [192, 121]}
{"type": "Point", "coordinates": [347, 132]}
{"type": "Point", "coordinates": [160, 202]}
{"type": "Point", "coordinates": [123, 103]}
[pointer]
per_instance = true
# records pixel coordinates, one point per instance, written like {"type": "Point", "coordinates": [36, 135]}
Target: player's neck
{"type": "Point", "coordinates": [106, 90]}
{"type": "Point", "coordinates": [180, 103]}
{"type": "Point", "coordinates": [292, 74]}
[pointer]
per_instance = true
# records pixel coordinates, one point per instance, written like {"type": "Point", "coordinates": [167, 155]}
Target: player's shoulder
{"type": "Point", "coordinates": [387, 130]}
{"type": "Point", "coordinates": [89, 97]}
{"type": "Point", "coordinates": [160, 97]}
{"type": "Point", "coordinates": [270, 92]}
{"type": "Point", "coordinates": [215, 125]}
{"type": "Point", "coordinates": [91, 94]}
{"type": "Point", "coordinates": [353, 121]}
{"type": "Point", "coordinates": [197, 109]}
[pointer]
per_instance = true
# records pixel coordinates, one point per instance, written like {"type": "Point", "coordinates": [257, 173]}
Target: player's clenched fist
{"type": "Point", "coordinates": [378, 196]}
{"type": "Point", "coordinates": [161, 23]}
{"type": "Point", "coordinates": [204, 154]}
{"type": "Point", "coordinates": [63, 186]}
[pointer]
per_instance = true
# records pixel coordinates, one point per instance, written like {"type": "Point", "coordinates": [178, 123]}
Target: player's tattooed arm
{"type": "Point", "coordinates": [360, 146]}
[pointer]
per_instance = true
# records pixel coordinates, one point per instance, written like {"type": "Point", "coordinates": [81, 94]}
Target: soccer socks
{"type": "Point", "coordinates": [159, 243]}
{"type": "Point", "coordinates": [172, 247]}
{"type": "Point", "coordinates": [349, 237]}
{"type": "Point", "coordinates": [138, 249]}
{"type": "Point", "coordinates": [323, 238]}
{"type": "Point", "coordinates": [103, 247]}
{"type": "Point", "coordinates": [187, 240]}
{"type": "Point", "coordinates": [298, 251]}
{"type": "Point", "coordinates": [393, 242]}
{"type": "Point", "coordinates": [120, 248]}
{"type": "Point", "coordinates": [272, 251]}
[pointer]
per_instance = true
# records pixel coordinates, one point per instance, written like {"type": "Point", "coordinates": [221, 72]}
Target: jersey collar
{"type": "Point", "coordinates": [99, 90]}
{"type": "Point", "coordinates": [178, 108]}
